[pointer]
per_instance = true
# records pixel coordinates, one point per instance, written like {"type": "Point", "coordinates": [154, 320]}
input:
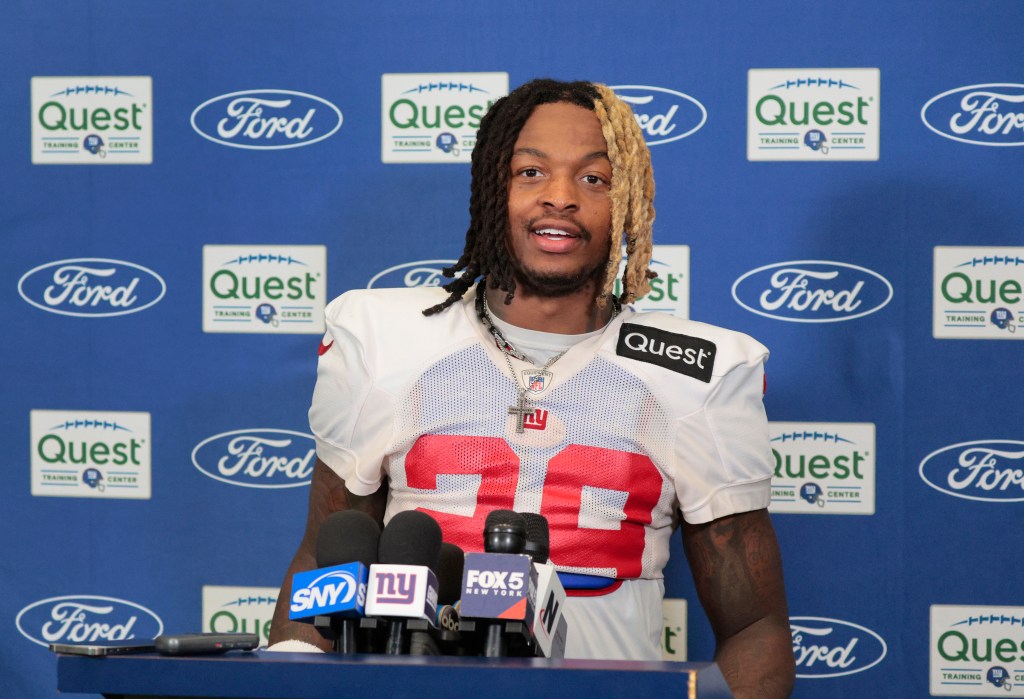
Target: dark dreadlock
{"type": "Point", "coordinates": [486, 252]}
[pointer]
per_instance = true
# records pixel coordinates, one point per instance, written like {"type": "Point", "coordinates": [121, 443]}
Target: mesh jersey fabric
{"type": "Point", "coordinates": [614, 449]}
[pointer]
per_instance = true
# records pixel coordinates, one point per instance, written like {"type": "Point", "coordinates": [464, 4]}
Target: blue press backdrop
{"type": "Point", "coordinates": [880, 571]}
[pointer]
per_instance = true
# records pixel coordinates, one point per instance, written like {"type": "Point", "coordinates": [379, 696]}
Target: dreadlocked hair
{"type": "Point", "coordinates": [632, 195]}
{"type": "Point", "coordinates": [486, 251]}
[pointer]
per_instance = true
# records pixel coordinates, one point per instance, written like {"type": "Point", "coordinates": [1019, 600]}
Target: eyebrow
{"type": "Point", "coordinates": [596, 155]}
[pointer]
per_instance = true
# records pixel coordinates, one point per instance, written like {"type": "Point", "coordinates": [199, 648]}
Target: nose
{"type": "Point", "coordinates": [560, 194]}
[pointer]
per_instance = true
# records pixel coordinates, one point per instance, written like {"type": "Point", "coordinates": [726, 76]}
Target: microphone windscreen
{"type": "Point", "coordinates": [345, 537]}
{"type": "Point", "coordinates": [410, 538]}
{"type": "Point", "coordinates": [504, 532]}
{"type": "Point", "coordinates": [449, 573]}
{"type": "Point", "coordinates": [537, 540]}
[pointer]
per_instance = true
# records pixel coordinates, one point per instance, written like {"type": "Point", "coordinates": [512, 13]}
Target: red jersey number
{"type": "Point", "coordinates": [568, 472]}
{"type": "Point", "coordinates": [491, 458]}
{"type": "Point", "coordinates": [621, 548]}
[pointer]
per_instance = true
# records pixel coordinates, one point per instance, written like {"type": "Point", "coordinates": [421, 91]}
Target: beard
{"type": "Point", "coordinates": [557, 283]}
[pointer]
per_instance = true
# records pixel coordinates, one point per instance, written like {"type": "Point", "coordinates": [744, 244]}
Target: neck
{"type": "Point", "coordinates": [572, 314]}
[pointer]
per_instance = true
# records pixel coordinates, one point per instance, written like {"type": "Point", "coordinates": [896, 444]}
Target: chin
{"type": "Point", "coordinates": [556, 283]}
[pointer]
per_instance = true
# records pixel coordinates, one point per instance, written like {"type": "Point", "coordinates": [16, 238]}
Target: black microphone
{"type": "Point", "coordinates": [499, 587]}
{"type": "Point", "coordinates": [403, 584]}
{"type": "Point", "coordinates": [333, 596]}
{"type": "Point", "coordinates": [504, 532]}
{"type": "Point", "coordinates": [549, 625]}
{"type": "Point", "coordinates": [537, 545]}
{"type": "Point", "coordinates": [450, 566]}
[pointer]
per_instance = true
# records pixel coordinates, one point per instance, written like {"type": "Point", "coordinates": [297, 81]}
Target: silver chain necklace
{"type": "Point", "coordinates": [522, 408]}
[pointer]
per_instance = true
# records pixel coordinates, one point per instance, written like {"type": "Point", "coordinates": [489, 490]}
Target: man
{"type": "Point", "coordinates": [539, 391]}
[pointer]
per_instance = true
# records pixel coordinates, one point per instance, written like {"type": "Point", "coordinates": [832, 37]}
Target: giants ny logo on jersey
{"type": "Point", "coordinates": [537, 420]}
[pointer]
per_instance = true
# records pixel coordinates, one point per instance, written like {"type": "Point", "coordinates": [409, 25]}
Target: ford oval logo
{"type": "Point", "coordinates": [826, 647]}
{"type": "Point", "coordinates": [86, 618]}
{"type": "Point", "coordinates": [91, 287]}
{"type": "Point", "coordinates": [257, 458]}
{"type": "Point", "coordinates": [664, 115]}
{"type": "Point", "coordinates": [266, 119]}
{"type": "Point", "coordinates": [422, 273]}
{"type": "Point", "coordinates": [812, 291]}
{"type": "Point", "coordinates": [990, 470]}
{"type": "Point", "coordinates": [982, 115]}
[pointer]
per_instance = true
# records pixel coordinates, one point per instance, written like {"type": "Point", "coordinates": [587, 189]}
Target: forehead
{"type": "Point", "coordinates": [562, 129]}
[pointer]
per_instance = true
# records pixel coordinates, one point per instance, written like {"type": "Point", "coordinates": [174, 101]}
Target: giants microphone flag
{"type": "Point", "coordinates": [402, 591]}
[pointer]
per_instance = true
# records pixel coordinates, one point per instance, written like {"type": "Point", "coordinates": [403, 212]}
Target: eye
{"type": "Point", "coordinates": [530, 172]}
{"type": "Point", "coordinates": [594, 179]}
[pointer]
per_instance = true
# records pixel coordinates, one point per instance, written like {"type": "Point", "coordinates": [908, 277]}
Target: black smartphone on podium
{"type": "Point", "coordinates": [102, 648]}
{"type": "Point", "coordinates": [205, 643]}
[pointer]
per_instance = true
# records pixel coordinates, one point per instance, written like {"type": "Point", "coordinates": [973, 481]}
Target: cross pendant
{"type": "Point", "coordinates": [520, 410]}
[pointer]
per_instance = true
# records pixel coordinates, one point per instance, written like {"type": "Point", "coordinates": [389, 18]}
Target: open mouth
{"type": "Point", "coordinates": [554, 233]}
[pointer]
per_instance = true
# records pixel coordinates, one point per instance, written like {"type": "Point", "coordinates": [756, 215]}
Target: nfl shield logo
{"type": "Point", "coordinates": [536, 380]}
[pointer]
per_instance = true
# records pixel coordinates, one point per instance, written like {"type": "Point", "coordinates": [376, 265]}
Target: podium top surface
{"type": "Point", "coordinates": [264, 675]}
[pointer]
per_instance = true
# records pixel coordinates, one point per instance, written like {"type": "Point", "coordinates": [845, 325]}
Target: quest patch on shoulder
{"type": "Point", "coordinates": [680, 353]}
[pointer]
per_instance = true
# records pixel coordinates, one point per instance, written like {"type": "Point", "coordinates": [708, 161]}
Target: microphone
{"type": "Point", "coordinates": [333, 596]}
{"type": "Point", "coordinates": [403, 584]}
{"type": "Point", "coordinates": [549, 625]}
{"type": "Point", "coordinates": [537, 540]}
{"type": "Point", "coordinates": [499, 586]}
{"type": "Point", "coordinates": [450, 566]}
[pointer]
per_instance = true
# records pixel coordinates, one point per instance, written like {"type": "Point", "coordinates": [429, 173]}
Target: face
{"type": "Point", "coordinates": [559, 208]}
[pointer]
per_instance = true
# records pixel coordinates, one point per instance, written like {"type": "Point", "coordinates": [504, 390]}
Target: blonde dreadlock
{"type": "Point", "coordinates": [632, 196]}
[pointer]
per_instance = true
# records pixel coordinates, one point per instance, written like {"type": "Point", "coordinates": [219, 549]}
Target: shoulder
{"type": "Point", "coordinates": [389, 323]}
{"type": "Point", "coordinates": [371, 302]}
{"type": "Point", "coordinates": [664, 339]}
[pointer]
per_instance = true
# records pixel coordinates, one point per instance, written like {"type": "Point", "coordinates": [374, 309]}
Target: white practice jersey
{"type": "Point", "coordinates": [653, 417]}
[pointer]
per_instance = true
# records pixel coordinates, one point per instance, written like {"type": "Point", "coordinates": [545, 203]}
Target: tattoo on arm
{"type": "Point", "coordinates": [736, 568]}
{"type": "Point", "coordinates": [737, 571]}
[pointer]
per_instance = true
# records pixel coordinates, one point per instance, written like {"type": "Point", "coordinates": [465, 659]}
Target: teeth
{"type": "Point", "coordinates": [552, 231]}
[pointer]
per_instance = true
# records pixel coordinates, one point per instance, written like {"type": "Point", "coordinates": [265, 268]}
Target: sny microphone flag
{"type": "Point", "coordinates": [339, 590]}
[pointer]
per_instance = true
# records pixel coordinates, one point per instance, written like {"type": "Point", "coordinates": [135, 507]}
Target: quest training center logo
{"type": "Point", "coordinates": [987, 470]}
{"type": "Point", "coordinates": [827, 648]}
{"type": "Point", "coordinates": [981, 115]}
{"type": "Point", "coordinates": [86, 619]}
{"type": "Point", "coordinates": [813, 114]}
{"type": "Point", "coordinates": [92, 120]}
{"type": "Point", "coordinates": [90, 454]}
{"type": "Point", "coordinates": [266, 119]}
{"type": "Point", "coordinates": [663, 115]}
{"type": "Point", "coordinates": [434, 117]}
{"type": "Point", "coordinates": [91, 287]}
{"type": "Point", "coordinates": [257, 458]}
{"type": "Point", "coordinates": [673, 634]}
{"type": "Point", "coordinates": [229, 609]}
{"type": "Point", "coordinates": [264, 288]}
{"type": "Point", "coordinates": [670, 290]}
{"type": "Point", "coordinates": [976, 651]}
{"type": "Point", "coordinates": [823, 468]}
{"type": "Point", "coordinates": [812, 291]}
{"type": "Point", "coordinates": [978, 293]}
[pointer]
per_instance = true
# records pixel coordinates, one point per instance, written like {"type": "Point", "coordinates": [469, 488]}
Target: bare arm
{"type": "Point", "coordinates": [738, 574]}
{"type": "Point", "coordinates": [327, 494]}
